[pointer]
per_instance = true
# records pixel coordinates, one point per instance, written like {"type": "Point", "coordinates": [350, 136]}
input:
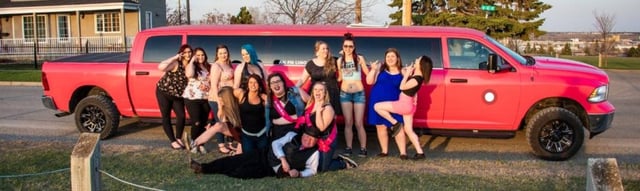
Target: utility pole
{"type": "Point", "coordinates": [179, 13]}
{"type": "Point", "coordinates": [358, 11]}
{"type": "Point", "coordinates": [188, 13]}
{"type": "Point", "coordinates": [406, 12]}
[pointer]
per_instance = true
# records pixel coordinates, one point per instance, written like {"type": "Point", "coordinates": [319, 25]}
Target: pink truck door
{"type": "Point", "coordinates": [144, 74]}
{"type": "Point", "coordinates": [475, 98]}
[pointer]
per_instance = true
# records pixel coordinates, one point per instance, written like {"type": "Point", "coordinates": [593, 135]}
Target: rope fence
{"type": "Point", "coordinates": [67, 169]}
{"type": "Point", "coordinates": [33, 174]}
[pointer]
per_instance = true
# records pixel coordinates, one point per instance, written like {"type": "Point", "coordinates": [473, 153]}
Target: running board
{"type": "Point", "coordinates": [62, 114]}
{"type": "Point", "coordinates": [467, 133]}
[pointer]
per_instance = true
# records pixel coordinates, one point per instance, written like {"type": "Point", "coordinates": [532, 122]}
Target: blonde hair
{"type": "Point", "coordinates": [312, 99]}
{"type": "Point", "coordinates": [329, 62]}
{"type": "Point", "coordinates": [230, 107]}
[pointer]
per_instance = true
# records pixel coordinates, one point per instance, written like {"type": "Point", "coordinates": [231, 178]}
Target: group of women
{"type": "Point", "coordinates": [255, 112]}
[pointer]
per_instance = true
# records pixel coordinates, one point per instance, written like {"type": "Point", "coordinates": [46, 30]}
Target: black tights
{"type": "Point", "coordinates": [168, 103]}
{"type": "Point", "coordinates": [246, 165]}
{"type": "Point", "coordinates": [198, 114]}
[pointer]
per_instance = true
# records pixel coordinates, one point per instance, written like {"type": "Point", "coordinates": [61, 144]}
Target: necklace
{"type": "Point", "coordinates": [284, 99]}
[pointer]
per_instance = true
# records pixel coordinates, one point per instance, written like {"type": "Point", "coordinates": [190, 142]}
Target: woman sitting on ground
{"type": "Point", "coordinates": [229, 123]}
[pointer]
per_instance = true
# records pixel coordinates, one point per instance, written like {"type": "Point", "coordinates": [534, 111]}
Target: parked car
{"type": "Point", "coordinates": [478, 87]}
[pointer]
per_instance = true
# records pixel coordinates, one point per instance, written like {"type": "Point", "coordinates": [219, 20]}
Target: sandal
{"type": "Point", "coordinates": [176, 146]}
{"type": "Point", "coordinates": [223, 149]}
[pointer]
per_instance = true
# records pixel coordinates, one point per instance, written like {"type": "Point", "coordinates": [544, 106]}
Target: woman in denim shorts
{"type": "Point", "coordinates": [352, 99]}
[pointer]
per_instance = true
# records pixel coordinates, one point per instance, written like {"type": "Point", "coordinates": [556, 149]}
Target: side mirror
{"type": "Point", "coordinates": [492, 63]}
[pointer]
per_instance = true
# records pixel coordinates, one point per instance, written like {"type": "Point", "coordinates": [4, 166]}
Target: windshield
{"type": "Point", "coordinates": [511, 53]}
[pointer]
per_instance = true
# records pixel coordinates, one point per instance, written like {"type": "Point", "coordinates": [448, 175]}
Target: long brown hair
{"type": "Point", "coordinates": [329, 62]}
{"type": "Point", "coordinates": [206, 64]}
{"type": "Point", "coordinates": [394, 51]}
{"type": "Point", "coordinates": [222, 46]}
{"type": "Point", "coordinates": [230, 107]}
{"type": "Point", "coordinates": [426, 65]}
{"type": "Point", "coordinates": [354, 54]}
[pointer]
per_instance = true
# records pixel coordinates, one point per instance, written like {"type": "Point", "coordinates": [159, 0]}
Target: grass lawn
{"type": "Point", "coordinates": [167, 169]}
{"type": "Point", "coordinates": [627, 63]}
{"type": "Point", "coordinates": [20, 73]}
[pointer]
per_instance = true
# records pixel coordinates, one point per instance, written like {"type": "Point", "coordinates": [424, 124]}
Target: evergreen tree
{"type": "Point", "coordinates": [550, 50]}
{"type": "Point", "coordinates": [510, 19]}
{"type": "Point", "coordinates": [243, 17]}
{"type": "Point", "coordinates": [632, 52]}
{"type": "Point", "coordinates": [566, 50]}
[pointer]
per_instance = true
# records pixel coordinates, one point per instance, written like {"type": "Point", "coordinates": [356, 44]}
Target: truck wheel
{"type": "Point", "coordinates": [97, 114]}
{"type": "Point", "coordinates": [555, 134]}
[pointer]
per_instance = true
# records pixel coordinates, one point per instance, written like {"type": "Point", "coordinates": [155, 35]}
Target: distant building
{"type": "Point", "coordinates": [70, 20]}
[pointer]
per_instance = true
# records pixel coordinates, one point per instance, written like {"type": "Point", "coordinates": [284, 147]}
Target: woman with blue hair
{"type": "Point", "coordinates": [250, 65]}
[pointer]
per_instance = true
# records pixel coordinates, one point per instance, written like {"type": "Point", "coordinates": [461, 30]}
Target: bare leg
{"type": "Point", "coordinates": [401, 141]}
{"type": "Point", "coordinates": [358, 109]}
{"type": "Point", "coordinates": [347, 112]}
{"type": "Point", "coordinates": [219, 127]}
{"type": "Point", "coordinates": [383, 109]}
{"type": "Point", "coordinates": [383, 138]}
{"type": "Point", "coordinates": [413, 137]}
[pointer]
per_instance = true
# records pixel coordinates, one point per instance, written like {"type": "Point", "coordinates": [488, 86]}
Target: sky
{"type": "Point", "coordinates": [564, 16]}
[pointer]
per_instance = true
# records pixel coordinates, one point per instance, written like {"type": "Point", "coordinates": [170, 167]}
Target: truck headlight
{"type": "Point", "coordinates": [599, 94]}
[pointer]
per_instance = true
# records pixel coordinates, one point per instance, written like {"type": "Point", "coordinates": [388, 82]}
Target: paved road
{"type": "Point", "coordinates": [22, 116]}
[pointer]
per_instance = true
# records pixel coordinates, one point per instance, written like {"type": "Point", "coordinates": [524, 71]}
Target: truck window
{"type": "Point", "coordinates": [373, 48]}
{"type": "Point", "coordinates": [296, 50]}
{"type": "Point", "coordinates": [467, 54]}
{"type": "Point", "coordinates": [159, 48]}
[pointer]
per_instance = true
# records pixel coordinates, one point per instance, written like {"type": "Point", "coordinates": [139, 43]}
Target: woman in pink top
{"type": "Point", "coordinates": [221, 76]}
{"type": "Point", "coordinates": [412, 80]}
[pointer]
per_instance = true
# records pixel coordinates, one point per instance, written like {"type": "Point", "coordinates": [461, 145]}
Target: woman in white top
{"type": "Point", "coordinates": [221, 75]}
{"type": "Point", "coordinates": [351, 66]}
{"type": "Point", "coordinates": [196, 94]}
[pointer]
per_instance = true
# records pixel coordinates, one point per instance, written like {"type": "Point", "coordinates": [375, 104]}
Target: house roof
{"type": "Point", "coordinates": [12, 7]}
{"type": "Point", "coordinates": [36, 3]}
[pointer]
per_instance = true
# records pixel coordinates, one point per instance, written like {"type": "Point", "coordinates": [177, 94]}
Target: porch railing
{"type": "Point", "coordinates": [52, 48]}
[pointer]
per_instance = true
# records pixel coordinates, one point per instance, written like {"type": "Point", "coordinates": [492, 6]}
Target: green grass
{"type": "Point", "coordinates": [20, 73]}
{"type": "Point", "coordinates": [167, 169]}
{"type": "Point", "coordinates": [626, 63]}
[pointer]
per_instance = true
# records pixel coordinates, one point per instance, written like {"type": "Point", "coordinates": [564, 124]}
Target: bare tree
{"type": "Point", "coordinates": [604, 24]}
{"type": "Point", "coordinates": [215, 17]}
{"type": "Point", "coordinates": [263, 17]}
{"type": "Point", "coordinates": [174, 17]}
{"type": "Point", "coordinates": [314, 11]}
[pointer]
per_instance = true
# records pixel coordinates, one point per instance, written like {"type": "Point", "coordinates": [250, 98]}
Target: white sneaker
{"type": "Point", "coordinates": [350, 162]}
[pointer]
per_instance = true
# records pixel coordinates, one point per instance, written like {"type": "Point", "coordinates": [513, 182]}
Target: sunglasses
{"type": "Point", "coordinates": [347, 46]}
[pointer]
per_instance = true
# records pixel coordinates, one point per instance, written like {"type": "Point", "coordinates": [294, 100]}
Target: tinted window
{"type": "Point", "coordinates": [292, 50]}
{"type": "Point", "coordinates": [467, 54]}
{"type": "Point", "coordinates": [373, 48]}
{"type": "Point", "coordinates": [159, 48]}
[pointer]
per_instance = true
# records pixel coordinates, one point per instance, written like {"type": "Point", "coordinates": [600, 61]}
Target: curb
{"type": "Point", "coordinates": [11, 83]}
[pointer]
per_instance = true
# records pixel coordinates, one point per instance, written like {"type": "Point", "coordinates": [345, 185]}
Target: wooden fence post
{"type": "Point", "coordinates": [85, 161]}
{"type": "Point", "coordinates": [603, 174]}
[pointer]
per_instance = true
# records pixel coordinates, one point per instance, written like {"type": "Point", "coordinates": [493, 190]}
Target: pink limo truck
{"type": "Point", "coordinates": [478, 88]}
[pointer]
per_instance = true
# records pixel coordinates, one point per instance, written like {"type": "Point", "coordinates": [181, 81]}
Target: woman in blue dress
{"type": "Point", "coordinates": [385, 79]}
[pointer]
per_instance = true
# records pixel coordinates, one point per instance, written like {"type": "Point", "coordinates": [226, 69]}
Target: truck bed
{"type": "Point", "coordinates": [97, 57]}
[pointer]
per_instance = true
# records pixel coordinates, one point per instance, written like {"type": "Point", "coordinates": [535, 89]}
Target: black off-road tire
{"type": "Point", "coordinates": [97, 114]}
{"type": "Point", "coordinates": [555, 134]}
